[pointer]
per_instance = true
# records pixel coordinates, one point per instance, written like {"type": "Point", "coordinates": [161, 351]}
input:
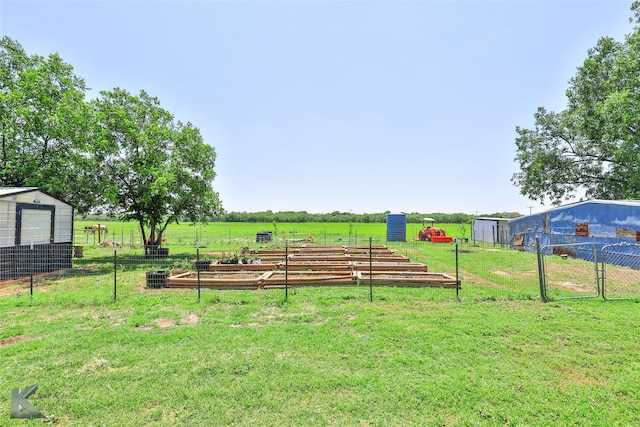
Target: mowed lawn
{"type": "Point", "coordinates": [324, 356]}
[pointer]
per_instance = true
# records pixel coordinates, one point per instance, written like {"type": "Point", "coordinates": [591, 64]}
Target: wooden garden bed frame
{"type": "Point", "coordinates": [280, 279]}
{"type": "Point", "coordinates": [316, 266]}
{"type": "Point", "coordinates": [212, 280]}
{"type": "Point", "coordinates": [403, 278]}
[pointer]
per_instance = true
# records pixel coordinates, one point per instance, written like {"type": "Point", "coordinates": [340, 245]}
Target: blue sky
{"type": "Point", "coordinates": [353, 106]}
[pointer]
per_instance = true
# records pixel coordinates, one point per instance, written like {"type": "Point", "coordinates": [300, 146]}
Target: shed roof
{"type": "Point", "coordinates": [12, 191]}
{"type": "Point", "coordinates": [491, 218]}
{"type": "Point", "coordinates": [9, 191]}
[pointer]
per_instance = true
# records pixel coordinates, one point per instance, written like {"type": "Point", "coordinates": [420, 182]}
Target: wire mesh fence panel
{"type": "Point", "coordinates": [490, 271]}
{"type": "Point", "coordinates": [195, 265]}
{"type": "Point", "coordinates": [621, 271]}
{"type": "Point", "coordinates": [50, 275]}
{"type": "Point", "coordinates": [570, 271]}
{"type": "Point", "coordinates": [407, 265]}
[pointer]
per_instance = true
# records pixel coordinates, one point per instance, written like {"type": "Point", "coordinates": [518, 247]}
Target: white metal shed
{"type": "Point", "coordinates": [491, 230]}
{"type": "Point", "coordinates": [36, 232]}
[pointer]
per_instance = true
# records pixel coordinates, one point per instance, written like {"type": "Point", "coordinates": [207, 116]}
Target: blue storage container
{"type": "Point", "coordinates": [396, 228]}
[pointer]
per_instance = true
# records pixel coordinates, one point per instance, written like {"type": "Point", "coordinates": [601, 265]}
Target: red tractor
{"type": "Point", "coordinates": [433, 234]}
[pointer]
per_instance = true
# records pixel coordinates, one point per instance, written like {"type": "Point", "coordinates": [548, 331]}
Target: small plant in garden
{"type": "Point", "coordinates": [229, 260]}
{"type": "Point", "coordinates": [181, 266]}
{"type": "Point", "coordinates": [463, 228]}
{"type": "Point", "coordinates": [243, 258]}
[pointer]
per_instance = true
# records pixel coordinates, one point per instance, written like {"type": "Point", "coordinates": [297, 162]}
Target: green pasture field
{"type": "Point", "coordinates": [186, 233]}
{"type": "Point", "coordinates": [323, 356]}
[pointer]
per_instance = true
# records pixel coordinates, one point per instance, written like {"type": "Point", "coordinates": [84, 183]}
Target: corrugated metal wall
{"type": "Point", "coordinates": [599, 222]}
{"type": "Point", "coordinates": [494, 231]}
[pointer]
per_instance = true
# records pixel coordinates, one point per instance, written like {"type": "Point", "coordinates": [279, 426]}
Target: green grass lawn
{"type": "Point", "coordinates": [323, 357]}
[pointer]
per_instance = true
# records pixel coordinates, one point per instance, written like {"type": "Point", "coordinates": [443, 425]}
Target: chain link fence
{"type": "Point", "coordinates": [570, 271]}
{"type": "Point", "coordinates": [621, 271]}
{"type": "Point", "coordinates": [586, 270]}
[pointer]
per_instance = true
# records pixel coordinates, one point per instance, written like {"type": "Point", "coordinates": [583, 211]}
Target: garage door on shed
{"type": "Point", "coordinates": [34, 224]}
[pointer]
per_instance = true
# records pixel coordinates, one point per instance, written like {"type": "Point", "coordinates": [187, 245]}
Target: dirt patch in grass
{"type": "Point", "coordinates": [22, 284]}
{"type": "Point", "coordinates": [189, 319]}
{"type": "Point", "coordinates": [252, 324]}
{"type": "Point", "coordinates": [467, 277]}
{"type": "Point", "coordinates": [15, 287]}
{"type": "Point", "coordinates": [501, 273]}
{"type": "Point", "coordinates": [95, 365]}
{"type": "Point", "coordinates": [13, 340]}
{"type": "Point", "coordinates": [165, 323]}
{"type": "Point", "coordinates": [573, 377]}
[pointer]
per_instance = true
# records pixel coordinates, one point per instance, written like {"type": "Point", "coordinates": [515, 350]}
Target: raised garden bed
{"type": "Point", "coordinates": [294, 265]}
{"type": "Point", "coordinates": [279, 279]}
{"type": "Point", "coordinates": [315, 268]}
{"type": "Point", "coordinates": [243, 267]}
{"type": "Point", "coordinates": [380, 257]}
{"type": "Point", "coordinates": [220, 280]}
{"type": "Point", "coordinates": [389, 266]}
{"type": "Point", "coordinates": [404, 278]}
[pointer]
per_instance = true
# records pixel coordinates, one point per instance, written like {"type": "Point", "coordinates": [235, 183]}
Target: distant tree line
{"type": "Point", "coordinates": [303, 216]}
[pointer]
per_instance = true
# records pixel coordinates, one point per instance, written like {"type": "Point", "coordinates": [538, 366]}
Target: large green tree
{"type": "Point", "coordinates": [591, 148]}
{"type": "Point", "coordinates": [155, 170]}
{"type": "Point", "coordinates": [44, 123]}
{"type": "Point", "coordinates": [121, 154]}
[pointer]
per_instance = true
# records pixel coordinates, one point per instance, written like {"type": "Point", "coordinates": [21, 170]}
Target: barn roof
{"type": "Point", "coordinates": [632, 203]}
{"type": "Point", "coordinates": [598, 202]}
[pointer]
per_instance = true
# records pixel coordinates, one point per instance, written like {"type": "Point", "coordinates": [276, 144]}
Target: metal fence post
{"type": "Point", "coordinates": [31, 270]}
{"type": "Point", "coordinates": [543, 293]}
{"type": "Point", "coordinates": [603, 270]}
{"type": "Point", "coordinates": [370, 270]}
{"type": "Point", "coordinates": [457, 274]}
{"type": "Point", "coordinates": [286, 270]}
{"type": "Point", "coordinates": [115, 272]}
{"type": "Point", "coordinates": [197, 267]}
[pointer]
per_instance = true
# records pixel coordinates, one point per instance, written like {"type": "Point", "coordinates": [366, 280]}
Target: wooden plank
{"type": "Point", "coordinates": [263, 266]}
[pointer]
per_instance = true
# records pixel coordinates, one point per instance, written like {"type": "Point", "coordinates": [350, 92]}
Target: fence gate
{"type": "Point", "coordinates": [569, 271]}
{"type": "Point", "coordinates": [621, 271]}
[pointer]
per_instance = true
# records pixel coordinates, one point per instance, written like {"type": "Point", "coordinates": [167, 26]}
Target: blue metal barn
{"type": "Point", "coordinates": [601, 222]}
